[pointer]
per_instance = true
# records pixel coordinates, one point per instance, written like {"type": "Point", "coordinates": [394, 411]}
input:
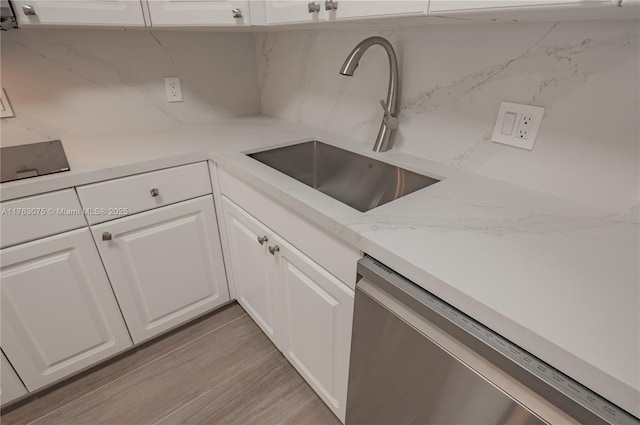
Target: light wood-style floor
{"type": "Point", "coordinates": [220, 369]}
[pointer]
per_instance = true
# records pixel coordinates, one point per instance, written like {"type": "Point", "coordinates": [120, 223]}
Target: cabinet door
{"type": "Point", "coordinates": [79, 12]}
{"type": "Point", "coordinates": [58, 311]}
{"type": "Point", "coordinates": [293, 11]}
{"type": "Point", "coordinates": [361, 9]}
{"type": "Point", "coordinates": [165, 265]}
{"type": "Point", "coordinates": [252, 268]}
{"type": "Point", "coordinates": [316, 325]}
{"type": "Point", "coordinates": [166, 13]}
{"type": "Point", "coordinates": [12, 386]}
{"type": "Point", "coordinates": [438, 6]}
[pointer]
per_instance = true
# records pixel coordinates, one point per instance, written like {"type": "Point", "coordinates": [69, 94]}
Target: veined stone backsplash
{"type": "Point", "coordinates": [66, 83]}
{"type": "Point", "coordinates": [453, 77]}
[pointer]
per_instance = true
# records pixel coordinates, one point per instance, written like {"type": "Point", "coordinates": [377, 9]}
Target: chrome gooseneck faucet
{"type": "Point", "coordinates": [390, 107]}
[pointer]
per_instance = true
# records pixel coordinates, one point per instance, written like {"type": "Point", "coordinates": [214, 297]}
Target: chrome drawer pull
{"type": "Point", "coordinates": [29, 10]}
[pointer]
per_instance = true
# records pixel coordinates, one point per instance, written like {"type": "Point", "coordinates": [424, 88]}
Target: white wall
{"type": "Point", "coordinates": [453, 78]}
{"type": "Point", "coordinates": [74, 83]}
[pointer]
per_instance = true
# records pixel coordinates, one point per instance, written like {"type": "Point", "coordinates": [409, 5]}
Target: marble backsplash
{"type": "Point", "coordinates": [67, 83]}
{"type": "Point", "coordinates": [453, 77]}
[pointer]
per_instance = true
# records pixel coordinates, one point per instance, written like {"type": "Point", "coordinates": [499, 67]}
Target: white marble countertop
{"type": "Point", "coordinates": [560, 279]}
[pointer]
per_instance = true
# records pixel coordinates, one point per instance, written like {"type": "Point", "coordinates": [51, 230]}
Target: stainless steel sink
{"type": "Point", "coordinates": [356, 180]}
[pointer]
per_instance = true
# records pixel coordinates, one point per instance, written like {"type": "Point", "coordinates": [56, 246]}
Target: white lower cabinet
{"type": "Point", "coordinates": [59, 314]}
{"type": "Point", "coordinates": [12, 386]}
{"type": "Point", "coordinates": [305, 310]}
{"type": "Point", "coordinates": [317, 311]}
{"type": "Point", "coordinates": [165, 265]}
{"type": "Point", "coordinates": [252, 268]}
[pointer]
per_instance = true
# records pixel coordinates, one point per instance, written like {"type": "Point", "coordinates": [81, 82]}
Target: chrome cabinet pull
{"type": "Point", "coordinates": [331, 5]}
{"type": "Point", "coordinates": [106, 236]}
{"type": "Point", "coordinates": [237, 13]}
{"type": "Point", "coordinates": [313, 7]}
{"type": "Point", "coordinates": [274, 249]}
{"type": "Point", "coordinates": [29, 10]}
{"type": "Point", "coordinates": [155, 192]}
{"type": "Point", "coordinates": [262, 239]}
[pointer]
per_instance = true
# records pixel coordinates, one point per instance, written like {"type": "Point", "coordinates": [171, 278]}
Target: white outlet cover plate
{"type": "Point", "coordinates": [178, 92]}
{"type": "Point", "coordinates": [508, 134]}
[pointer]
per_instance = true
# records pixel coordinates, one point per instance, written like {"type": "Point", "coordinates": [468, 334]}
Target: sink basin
{"type": "Point", "coordinates": [362, 183]}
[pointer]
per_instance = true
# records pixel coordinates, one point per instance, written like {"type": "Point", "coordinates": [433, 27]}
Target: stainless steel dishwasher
{"type": "Point", "coordinates": [417, 360]}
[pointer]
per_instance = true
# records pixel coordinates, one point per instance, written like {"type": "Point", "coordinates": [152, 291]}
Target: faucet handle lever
{"type": "Point", "coordinates": [391, 121]}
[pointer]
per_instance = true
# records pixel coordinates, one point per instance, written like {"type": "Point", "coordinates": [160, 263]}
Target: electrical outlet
{"type": "Point", "coordinates": [525, 127]}
{"type": "Point", "coordinates": [517, 125]}
{"type": "Point", "coordinates": [173, 89]}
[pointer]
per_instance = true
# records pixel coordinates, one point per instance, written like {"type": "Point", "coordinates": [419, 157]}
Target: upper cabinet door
{"type": "Point", "coordinates": [165, 265]}
{"type": "Point", "coordinates": [59, 314]}
{"type": "Point", "coordinates": [80, 12]}
{"type": "Point", "coordinates": [438, 6]}
{"type": "Point", "coordinates": [166, 13]}
{"type": "Point", "coordinates": [294, 11]}
{"type": "Point", "coordinates": [346, 9]}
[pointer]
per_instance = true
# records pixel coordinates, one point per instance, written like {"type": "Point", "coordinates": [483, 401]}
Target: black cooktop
{"type": "Point", "coordinates": [32, 160]}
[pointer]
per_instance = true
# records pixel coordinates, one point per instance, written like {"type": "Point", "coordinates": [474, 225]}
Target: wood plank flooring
{"type": "Point", "coordinates": [220, 369]}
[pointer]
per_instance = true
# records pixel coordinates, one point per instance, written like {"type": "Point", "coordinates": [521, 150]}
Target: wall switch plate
{"type": "Point", "coordinates": [517, 125]}
{"type": "Point", "coordinates": [174, 91]}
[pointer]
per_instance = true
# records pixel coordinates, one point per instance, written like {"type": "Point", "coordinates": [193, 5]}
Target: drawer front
{"type": "Point", "coordinates": [129, 195]}
{"type": "Point", "coordinates": [38, 216]}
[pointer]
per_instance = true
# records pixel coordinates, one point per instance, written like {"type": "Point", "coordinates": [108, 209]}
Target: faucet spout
{"type": "Point", "coordinates": [390, 118]}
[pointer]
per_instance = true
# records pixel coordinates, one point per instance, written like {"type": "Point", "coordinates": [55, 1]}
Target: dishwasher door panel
{"type": "Point", "coordinates": [394, 364]}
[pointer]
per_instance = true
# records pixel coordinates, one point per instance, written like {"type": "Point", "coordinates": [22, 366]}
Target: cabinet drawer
{"type": "Point", "coordinates": [129, 195]}
{"type": "Point", "coordinates": [38, 216]}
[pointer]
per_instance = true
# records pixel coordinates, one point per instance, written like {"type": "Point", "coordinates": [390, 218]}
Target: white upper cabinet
{"type": "Point", "coordinates": [59, 314]}
{"type": "Point", "coordinates": [526, 9]}
{"type": "Point", "coordinates": [353, 9]}
{"type": "Point", "coordinates": [80, 12]}
{"type": "Point", "coordinates": [244, 13]}
{"type": "Point", "coordinates": [293, 11]}
{"type": "Point", "coordinates": [167, 13]}
{"type": "Point", "coordinates": [299, 11]}
{"type": "Point", "coordinates": [461, 5]}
